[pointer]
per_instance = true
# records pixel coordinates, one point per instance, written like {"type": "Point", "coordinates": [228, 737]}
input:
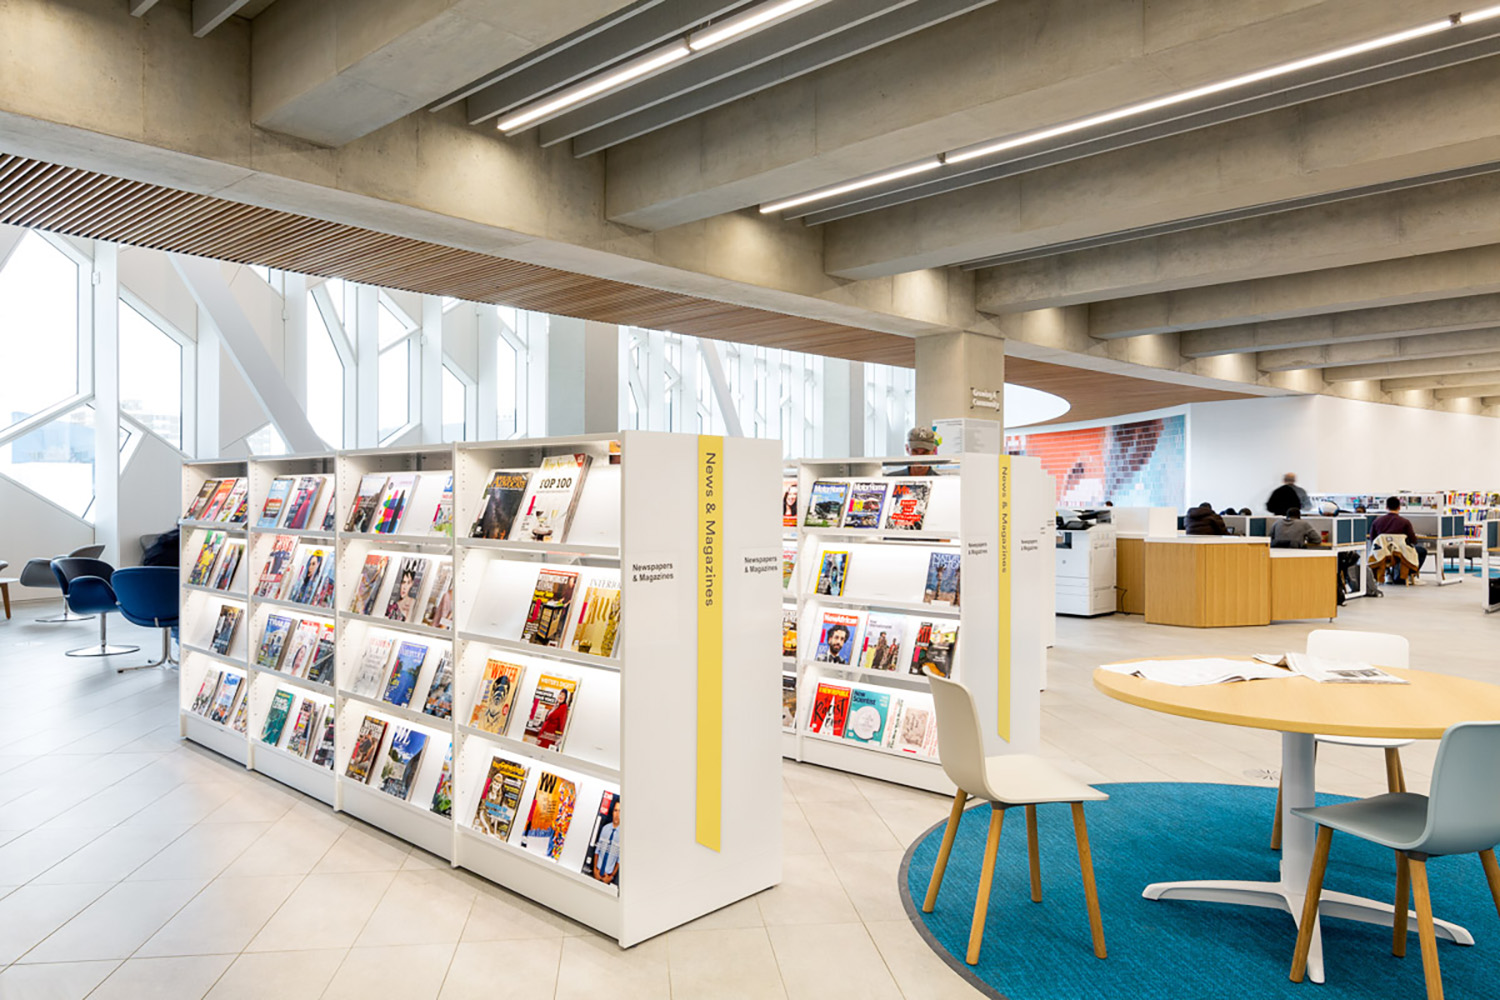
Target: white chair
{"type": "Point", "coordinates": [1381, 649]}
{"type": "Point", "coordinates": [1002, 781]}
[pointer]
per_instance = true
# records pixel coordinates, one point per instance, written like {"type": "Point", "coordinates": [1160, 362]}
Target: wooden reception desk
{"type": "Point", "coordinates": [1206, 581]}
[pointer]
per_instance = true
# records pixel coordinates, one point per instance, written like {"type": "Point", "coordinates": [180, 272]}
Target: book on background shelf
{"type": "Point", "coordinates": [551, 710]}
{"type": "Point", "coordinates": [304, 502]}
{"type": "Point", "coordinates": [276, 496]}
{"type": "Point", "coordinates": [320, 671]}
{"type": "Point", "coordinates": [833, 568]}
{"type": "Point", "coordinates": [371, 575]}
{"type": "Point", "coordinates": [304, 728]}
{"type": "Point", "coordinates": [242, 715]}
{"type": "Point", "coordinates": [908, 507]}
{"type": "Point", "coordinates": [362, 512]}
{"type": "Point", "coordinates": [547, 618]}
{"type": "Point", "coordinates": [942, 585]}
{"type": "Point", "coordinates": [330, 508]}
{"type": "Point", "coordinates": [312, 566]}
{"type": "Point", "coordinates": [393, 502]}
{"type": "Point", "coordinates": [204, 699]}
{"type": "Point", "coordinates": [825, 507]}
{"type": "Point", "coordinates": [500, 802]}
{"type": "Point", "coordinates": [551, 814]}
{"type": "Point", "coordinates": [789, 632]}
{"type": "Point", "coordinates": [869, 711]}
{"type": "Point", "coordinates": [497, 693]}
{"type": "Point", "coordinates": [237, 505]}
{"type": "Point", "coordinates": [883, 635]}
{"type": "Point", "coordinates": [229, 565]}
{"type": "Point", "coordinates": [406, 589]}
{"type": "Point", "coordinates": [598, 623]}
{"type": "Point", "coordinates": [500, 503]}
{"type": "Point", "coordinates": [916, 731]}
{"type": "Point", "coordinates": [281, 708]}
{"type": "Point", "coordinates": [442, 795]}
{"type": "Point", "coordinates": [830, 710]}
{"type": "Point", "coordinates": [215, 503]}
{"type": "Point", "coordinates": [549, 507]}
{"type": "Point", "coordinates": [601, 862]}
{"type": "Point", "coordinates": [439, 701]}
{"type": "Point", "coordinates": [788, 701]}
{"type": "Point", "coordinates": [439, 611]}
{"type": "Point", "coordinates": [788, 564]}
{"type": "Point", "coordinates": [403, 758]}
{"type": "Point", "coordinates": [273, 641]}
{"type": "Point", "coordinates": [203, 569]}
{"type": "Point", "coordinates": [366, 748]}
{"type": "Point", "coordinates": [442, 517]}
{"type": "Point", "coordinates": [278, 565]}
{"type": "Point", "coordinates": [403, 683]}
{"type": "Point", "coordinates": [866, 500]}
{"type": "Point", "coordinates": [201, 501]}
{"type": "Point", "coordinates": [301, 648]}
{"type": "Point", "coordinates": [935, 645]}
{"type": "Point", "coordinates": [836, 637]}
{"type": "Point", "coordinates": [370, 677]}
{"type": "Point", "coordinates": [224, 628]}
{"type": "Point", "coordinates": [327, 748]}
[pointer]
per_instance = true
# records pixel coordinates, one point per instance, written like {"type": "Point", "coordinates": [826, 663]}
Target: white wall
{"type": "Point", "coordinates": [149, 495]}
{"type": "Point", "coordinates": [1239, 449]}
{"type": "Point", "coordinates": [32, 528]}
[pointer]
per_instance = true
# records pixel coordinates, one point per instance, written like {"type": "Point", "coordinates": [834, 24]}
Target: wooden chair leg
{"type": "Point", "coordinates": [986, 876]}
{"type": "Point", "coordinates": [1403, 903]}
{"type": "Point", "coordinates": [949, 832]}
{"type": "Point", "coordinates": [1426, 934]}
{"type": "Point", "coordinates": [1395, 779]}
{"type": "Point", "coordinates": [1492, 874]}
{"type": "Point", "coordinates": [1276, 823]}
{"type": "Point", "coordinates": [1090, 890]}
{"type": "Point", "coordinates": [1035, 855]}
{"type": "Point", "coordinates": [1310, 904]}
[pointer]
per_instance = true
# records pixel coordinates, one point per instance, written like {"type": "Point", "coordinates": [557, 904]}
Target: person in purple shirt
{"type": "Point", "coordinates": [1392, 523]}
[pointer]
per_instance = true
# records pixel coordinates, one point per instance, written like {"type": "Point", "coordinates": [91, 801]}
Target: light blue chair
{"type": "Point", "coordinates": [1461, 816]}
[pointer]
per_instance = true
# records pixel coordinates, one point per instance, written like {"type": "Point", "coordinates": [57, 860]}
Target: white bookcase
{"type": "Point", "coordinates": [790, 604]}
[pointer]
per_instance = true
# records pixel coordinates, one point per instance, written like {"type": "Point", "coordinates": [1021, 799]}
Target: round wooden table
{"type": "Point", "coordinates": [1298, 708]}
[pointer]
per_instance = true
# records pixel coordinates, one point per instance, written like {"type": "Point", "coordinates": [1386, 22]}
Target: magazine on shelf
{"type": "Point", "coordinates": [789, 632]}
{"type": "Point", "coordinates": [833, 568]}
{"type": "Point", "coordinates": [203, 569]}
{"type": "Point", "coordinates": [500, 503]}
{"type": "Point", "coordinates": [224, 628]}
{"type": "Point", "coordinates": [942, 585]}
{"type": "Point", "coordinates": [789, 489]}
{"type": "Point", "coordinates": [788, 564]}
{"type": "Point", "coordinates": [406, 589]}
{"type": "Point", "coordinates": [866, 501]}
{"type": "Point", "coordinates": [320, 671]}
{"type": "Point", "coordinates": [442, 517]}
{"type": "Point", "coordinates": [403, 682]}
{"type": "Point", "coordinates": [789, 701]}
{"type": "Point", "coordinates": [883, 635]}
{"type": "Point", "coordinates": [371, 575]}
{"type": "Point", "coordinates": [497, 692]}
{"type": "Point", "coordinates": [273, 641]}
{"type": "Point", "coordinates": [278, 565]}
{"type": "Point", "coordinates": [303, 728]}
{"type": "Point", "coordinates": [242, 715]}
{"type": "Point", "coordinates": [314, 566]}
{"type": "Point", "coordinates": [281, 708]}
{"type": "Point", "coordinates": [551, 814]}
{"type": "Point", "coordinates": [439, 700]}
{"type": "Point", "coordinates": [301, 648]}
{"type": "Point", "coordinates": [362, 512]}
{"type": "Point", "coordinates": [369, 679]}
{"type": "Point", "coordinates": [327, 747]}
{"type": "Point", "coordinates": [393, 502]}
{"type": "Point", "coordinates": [934, 647]}
{"type": "Point", "coordinates": [916, 731]}
{"type": "Point", "coordinates": [601, 862]}
{"type": "Point", "coordinates": [276, 497]}
{"type": "Point", "coordinates": [500, 802]}
{"type": "Point", "coordinates": [201, 501]}
{"type": "Point", "coordinates": [330, 507]}
{"type": "Point", "coordinates": [598, 625]}
{"type": "Point", "coordinates": [825, 507]}
{"type": "Point", "coordinates": [830, 709]}
{"type": "Point", "coordinates": [439, 611]}
{"type": "Point", "coordinates": [553, 499]}
{"type": "Point", "coordinates": [442, 795]}
{"type": "Point", "coordinates": [908, 508]}
{"type": "Point", "coordinates": [304, 502]}
{"type": "Point", "coordinates": [204, 700]}
{"type": "Point", "coordinates": [551, 710]}
{"type": "Point", "coordinates": [547, 618]}
{"type": "Point", "coordinates": [229, 565]}
{"type": "Point", "coordinates": [215, 503]}
{"type": "Point", "coordinates": [366, 748]}
{"type": "Point", "coordinates": [836, 637]}
{"type": "Point", "coordinates": [403, 758]}
{"type": "Point", "coordinates": [869, 711]}
{"type": "Point", "coordinates": [225, 698]}
{"type": "Point", "coordinates": [324, 595]}
{"type": "Point", "coordinates": [237, 504]}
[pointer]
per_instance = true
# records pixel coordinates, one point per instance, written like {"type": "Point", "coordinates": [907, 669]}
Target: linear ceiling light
{"type": "Point", "coordinates": [730, 29]}
{"type": "Point", "coordinates": [1155, 104]}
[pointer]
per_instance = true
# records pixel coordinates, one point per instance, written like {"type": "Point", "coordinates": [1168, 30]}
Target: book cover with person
{"type": "Point", "coordinates": [278, 564]}
{"type": "Point", "coordinates": [303, 728]}
{"type": "Point", "coordinates": [908, 507]}
{"type": "Point", "coordinates": [366, 748]}
{"type": "Point", "coordinates": [304, 501]}
{"type": "Point", "coordinates": [403, 682]}
{"type": "Point", "coordinates": [271, 510]}
{"type": "Point", "coordinates": [320, 671]}
{"type": "Point", "coordinates": [406, 589]}
{"type": "Point", "coordinates": [547, 618]}
{"type": "Point", "coordinates": [883, 635]}
{"type": "Point", "coordinates": [832, 570]}
{"type": "Point", "coordinates": [497, 692]}
{"type": "Point", "coordinates": [229, 565]}
{"type": "Point", "coordinates": [273, 641]}
{"type": "Point", "coordinates": [327, 747]}
{"type": "Point", "coordinates": [825, 507]}
{"type": "Point", "coordinates": [224, 628]}
{"type": "Point", "coordinates": [362, 513]}
{"type": "Point", "coordinates": [601, 862]}
{"type": "Point", "coordinates": [442, 516]}
{"type": "Point", "coordinates": [439, 701]}
{"type": "Point", "coordinates": [215, 505]}
{"type": "Point", "coordinates": [942, 579]}
{"type": "Point", "coordinates": [226, 698]}
{"type": "Point", "coordinates": [551, 814]}
{"type": "Point", "coordinates": [789, 633]}
{"type": "Point", "coordinates": [369, 679]}
{"type": "Point", "coordinates": [203, 569]}
{"type": "Point", "coordinates": [403, 759]}
{"type": "Point", "coordinates": [203, 701]}
{"type": "Point", "coordinates": [237, 504]}
{"type": "Point", "coordinates": [598, 623]}
{"type": "Point", "coordinates": [442, 795]}
{"type": "Point", "coordinates": [313, 566]}
{"type": "Point", "coordinates": [935, 645]}
{"type": "Point", "coordinates": [549, 507]}
{"type": "Point", "coordinates": [281, 708]}
{"type": "Point", "coordinates": [500, 503]}
{"type": "Point", "coordinates": [836, 637]}
{"type": "Point", "coordinates": [393, 501]}
{"type": "Point", "coordinates": [201, 501]}
{"type": "Point", "coordinates": [789, 490]}
{"type": "Point", "coordinates": [830, 710]}
{"type": "Point", "coordinates": [439, 611]}
{"type": "Point", "coordinates": [866, 501]}
{"type": "Point", "coordinates": [500, 802]}
{"type": "Point", "coordinates": [300, 648]}
{"type": "Point", "coordinates": [788, 701]}
{"type": "Point", "coordinates": [551, 711]}
{"type": "Point", "coordinates": [371, 575]}
{"type": "Point", "coordinates": [868, 713]}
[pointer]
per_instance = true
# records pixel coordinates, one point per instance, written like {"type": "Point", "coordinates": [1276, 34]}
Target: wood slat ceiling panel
{"type": "Point", "coordinates": [1098, 395]}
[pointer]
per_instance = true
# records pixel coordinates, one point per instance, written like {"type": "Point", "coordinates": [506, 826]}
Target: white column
{"type": "Point", "coordinates": [294, 337]}
{"type": "Point", "coordinates": [431, 366]}
{"type": "Point", "coordinates": [206, 390]}
{"type": "Point", "coordinates": [583, 377]}
{"type": "Point", "coordinates": [362, 324]}
{"type": "Point", "coordinates": [106, 322]}
{"type": "Point", "coordinates": [487, 375]}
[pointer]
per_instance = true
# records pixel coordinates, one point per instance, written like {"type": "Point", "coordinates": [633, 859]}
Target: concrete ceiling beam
{"type": "Point", "coordinates": [1441, 381]}
{"type": "Point", "coordinates": [1437, 345]}
{"type": "Point", "coordinates": [1472, 312]}
{"type": "Point", "coordinates": [1386, 370]}
{"type": "Point", "coordinates": [1469, 392]}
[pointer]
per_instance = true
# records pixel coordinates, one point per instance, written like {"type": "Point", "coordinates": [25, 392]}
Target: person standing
{"type": "Point", "coordinates": [1288, 495]}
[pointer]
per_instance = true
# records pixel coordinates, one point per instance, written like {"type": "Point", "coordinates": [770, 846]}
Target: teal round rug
{"type": "Point", "coordinates": [1159, 832]}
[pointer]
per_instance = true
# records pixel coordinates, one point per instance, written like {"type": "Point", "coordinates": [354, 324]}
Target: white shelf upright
{"type": "Point", "coordinates": [1490, 543]}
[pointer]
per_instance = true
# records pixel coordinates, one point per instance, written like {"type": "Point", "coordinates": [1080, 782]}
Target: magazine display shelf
{"type": "Point", "coordinates": [790, 597]}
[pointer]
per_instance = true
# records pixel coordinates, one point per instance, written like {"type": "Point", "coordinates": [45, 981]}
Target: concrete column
{"type": "Point", "coordinates": [362, 325]}
{"type": "Point", "coordinates": [106, 322]}
{"type": "Point", "coordinates": [487, 372]}
{"type": "Point", "coordinates": [843, 429]}
{"type": "Point", "coordinates": [431, 370]}
{"type": "Point", "coordinates": [950, 367]}
{"type": "Point", "coordinates": [294, 340]}
{"type": "Point", "coordinates": [583, 377]}
{"type": "Point", "coordinates": [205, 385]}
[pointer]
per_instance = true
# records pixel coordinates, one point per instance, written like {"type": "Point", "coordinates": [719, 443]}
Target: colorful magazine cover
{"type": "Point", "coordinates": [500, 503]}
{"type": "Point", "coordinates": [229, 565]}
{"type": "Point", "coordinates": [500, 802]}
{"type": "Point", "coordinates": [273, 641]}
{"type": "Point", "coordinates": [916, 731]}
{"type": "Point", "coordinates": [942, 579]}
{"type": "Point", "coordinates": [551, 814]}
{"type": "Point", "coordinates": [304, 728]}
{"type": "Point", "coordinates": [392, 506]}
{"type": "Point", "coordinates": [201, 501]}
{"type": "Point", "coordinates": [237, 504]}
{"type": "Point", "coordinates": [324, 754]}
{"type": "Point", "coordinates": [406, 589]}
{"type": "Point", "coordinates": [836, 637]}
{"type": "Point", "coordinates": [370, 677]}
{"type": "Point", "coordinates": [362, 513]}
{"type": "Point", "coordinates": [825, 508]}
{"type": "Point", "coordinates": [203, 569]}
{"type": "Point", "coordinates": [908, 506]}
{"type": "Point", "coordinates": [830, 709]}
{"type": "Point", "coordinates": [788, 701]}
{"type": "Point", "coordinates": [832, 570]}
{"type": "Point", "coordinates": [304, 502]}
{"type": "Point", "coordinates": [320, 671]}
{"type": "Point", "coordinates": [371, 575]}
{"type": "Point", "coordinates": [497, 692]}
{"type": "Point", "coordinates": [439, 701]}
{"type": "Point", "coordinates": [301, 648]}
{"type": "Point", "coordinates": [601, 861]}
{"type": "Point", "coordinates": [270, 511]}
{"type": "Point", "coordinates": [866, 500]}
{"type": "Point", "coordinates": [868, 713]}
{"type": "Point", "coordinates": [224, 628]}
{"type": "Point", "coordinates": [313, 566]}
{"type": "Point", "coordinates": [330, 507]}
{"type": "Point", "coordinates": [242, 716]}
{"type": "Point", "coordinates": [442, 795]}
{"type": "Point", "coordinates": [553, 498]}
{"type": "Point", "coordinates": [551, 709]}
{"type": "Point", "coordinates": [403, 682]}
{"type": "Point", "coordinates": [598, 623]}
{"type": "Point", "coordinates": [789, 633]}
{"type": "Point", "coordinates": [366, 747]}
{"type": "Point", "coordinates": [204, 700]}
{"type": "Point", "coordinates": [547, 618]}
{"type": "Point", "coordinates": [439, 611]}
{"type": "Point", "coordinates": [323, 594]}
{"type": "Point", "coordinates": [403, 759]}
{"type": "Point", "coordinates": [281, 707]}
{"type": "Point", "coordinates": [225, 699]}
{"type": "Point", "coordinates": [789, 502]}
{"type": "Point", "coordinates": [278, 564]}
{"type": "Point", "coordinates": [934, 647]}
{"type": "Point", "coordinates": [883, 635]}
{"type": "Point", "coordinates": [788, 564]}
{"type": "Point", "coordinates": [215, 505]}
{"type": "Point", "coordinates": [442, 517]}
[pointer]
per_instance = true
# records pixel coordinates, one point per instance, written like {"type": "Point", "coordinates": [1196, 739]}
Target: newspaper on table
{"type": "Point", "coordinates": [1199, 672]}
{"type": "Point", "coordinates": [1332, 671]}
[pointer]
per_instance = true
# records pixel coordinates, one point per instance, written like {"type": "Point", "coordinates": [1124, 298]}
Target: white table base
{"type": "Point", "coordinates": [1297, 841]}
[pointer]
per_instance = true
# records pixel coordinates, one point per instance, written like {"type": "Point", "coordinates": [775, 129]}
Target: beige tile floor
{"type": "Point", "coordinates": [133, 865]}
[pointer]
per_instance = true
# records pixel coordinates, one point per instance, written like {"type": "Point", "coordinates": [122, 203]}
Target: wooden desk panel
{"type": "Point", "coordinates": [1130, 575]}
{"type": "Point", "coordinates": [1304, 585]}
{"type": "Point", "coordinates": [1207, 585]}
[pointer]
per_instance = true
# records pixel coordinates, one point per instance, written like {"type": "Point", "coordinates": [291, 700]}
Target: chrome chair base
{"type": "Point", "coordinates": [103, 649]}
{"type": "Point", "coordinates": [165, 659]}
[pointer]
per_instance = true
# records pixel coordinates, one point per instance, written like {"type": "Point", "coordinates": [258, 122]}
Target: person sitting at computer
{"type": "Point", "coordinates": [1292, 532]}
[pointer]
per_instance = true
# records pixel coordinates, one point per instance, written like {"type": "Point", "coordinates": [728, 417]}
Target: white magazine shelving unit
{"type": "Point", "coordinates": [790, 601]}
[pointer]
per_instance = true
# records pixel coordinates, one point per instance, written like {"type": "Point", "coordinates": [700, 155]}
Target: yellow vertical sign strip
{"type": "Point", "coordinates": [710, 783]}
{"type": "Point", "coordinates": [1002, 612]}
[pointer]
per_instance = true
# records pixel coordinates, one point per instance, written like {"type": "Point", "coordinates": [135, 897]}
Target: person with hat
{"type": "Point", "coordinates": [919, 441]}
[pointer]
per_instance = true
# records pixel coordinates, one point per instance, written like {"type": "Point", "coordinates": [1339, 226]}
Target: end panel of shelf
{"type": "Point", "coordinates": [222, 740]}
